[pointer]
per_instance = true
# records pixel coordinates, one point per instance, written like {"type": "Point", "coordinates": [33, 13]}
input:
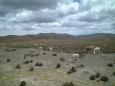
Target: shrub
{"type": "Point", "coordinates": [31, 69]}
{"type": "Point", "coordinates": [62, 59]}
{"type": "Point", "coordinates": [58, 65]}
{"type": "Point", "coordinates": [44, 53]}
{"type": "Point", "coordinates": [22, 83]}
{"type": "Point", "coordinates": [92, 77]}
{"type": "Point", "coordinates": [81, 65]}
{"type": "Point", "coordinates": [39, 64]}
{"type": "Point", "coordinates": [31, 61]}
{"type": "Point", "coordinates": [24, 57]}
{"type": "Point", "coordinates": [10, 50]}
{"type": "Point", "coordinates": [114, 73]}
{"type": "Point", "coordinates": [97, 75]}
{"type": "Point", "coordinates": [18, 66]}
{"type": "Point", "coordinates": [54, 54]}
{"type": "Point", "coordinates": [72, 70]}
{"type": "Point", "coordinates": [68, 84]}
{"type": "Point", "coordinates": [114, 62]}
{"type": "Point", "coordinates": [110, 65]}
{"type": "Point", "coordinates": [104, 78]}
{"type": "Point", "coordinates": [26, 62]}
{"type": "Point", "coordinates": [35, 55]}
{"type": "Point", "coordinates": [8, 60]}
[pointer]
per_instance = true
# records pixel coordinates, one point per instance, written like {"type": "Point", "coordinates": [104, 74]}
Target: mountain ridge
{"type": "Point", "coordinates": [60, 36]}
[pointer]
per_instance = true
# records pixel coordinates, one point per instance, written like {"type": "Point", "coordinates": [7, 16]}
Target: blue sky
{"type": "Point", "coordinates": [76, 17]}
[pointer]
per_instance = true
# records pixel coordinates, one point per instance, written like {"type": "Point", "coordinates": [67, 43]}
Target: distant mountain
{"type": "Point", "coordinates": [96, 36]}
{"type": "Point", "coordinates": [51, 35]}
{"type": "Point", "coordinates": [58, 36]}
{"type": "Point", "coordinates": [39, 36]}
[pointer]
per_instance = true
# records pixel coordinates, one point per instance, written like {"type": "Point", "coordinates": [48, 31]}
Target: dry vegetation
{"type": "Point", "coordinates": [61, 44]}
{"type": "Point", "coordinates": [22, 64]}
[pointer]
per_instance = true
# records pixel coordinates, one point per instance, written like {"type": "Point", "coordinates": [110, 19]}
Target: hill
{"type": "Point", "coordinates": [59, 36]}
{"type": "Point", "coordinates": [61, 42]}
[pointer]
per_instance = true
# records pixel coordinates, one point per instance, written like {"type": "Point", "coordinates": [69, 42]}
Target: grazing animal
{"type": "Point", "coordinates": [96, 50]}
{"type": "Point", "coordinates": [51, 49]}
{"type": "Point", "coordinates": [89, 49]}
{"type": "Point", "coordinates": [40, 49]}
{"type": "Point", "coordinates": [75, 57]}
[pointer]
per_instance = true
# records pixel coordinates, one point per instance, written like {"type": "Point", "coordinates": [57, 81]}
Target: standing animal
{"type": "Point", "coordinates": [89, 49]}
{"type": "Point", "coordinates": [40, 49]}
{"type": "Point", "coordinates": [75, 57]}
{"type": "Point", "coordinates": [96, 50]}
{"type": "Point", "coordinates": [51, 49]}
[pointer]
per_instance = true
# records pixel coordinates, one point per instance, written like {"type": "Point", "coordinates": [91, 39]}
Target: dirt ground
{"type": "Point", "coordinates": [48, 74]}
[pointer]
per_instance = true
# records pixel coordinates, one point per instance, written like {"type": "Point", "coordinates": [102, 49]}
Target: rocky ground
{"type": "Point", "coordinates": [54, 69]}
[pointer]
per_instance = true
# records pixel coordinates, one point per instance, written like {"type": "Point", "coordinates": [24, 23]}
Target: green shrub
{"type": "Point", "coordinates": [104, 78]}
{"type": "Point", "coordinates": [22, 83]}
{"type": "Point", "coordinates": [58, 65]}
{"type": "Point", "coordinates": [31, 61]}
{"type": "Point", "coordinates": [26, 62]}
{"type": "Point", "coordinates": [97, 75]}
{"type": "Point", "coordinates": [8, 60]}
{"type": "Point", "coordinates": [68, 84]}
{"type": "Point", "coordinates": [114, 73]}
{"type": "Point", "coordinates": [54, 54]}
{"type": "Point", "coordinates": [44, 53]}
{"type": "Point", "coordinates": [92, 77]}
{"type": "Point", "coordinates": [114, 62]}
{"type": "Point", "coordinates": [81, 65]}
{"type": "Point", "coordinates": [62, 59]}
{"type": "Point", "coordinates": [39, 64]}
{"type": "Point", "coordinates": [18, 66]}
{"type": "Point", "coordinates": [110, 65]}
{"type": "Point", "coordinates": [31, 69]}
{"type": "Point", "coordinates": [72, 70]}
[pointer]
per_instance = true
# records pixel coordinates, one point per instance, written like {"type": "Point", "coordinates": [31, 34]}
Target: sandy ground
{"type": "Point", "coordinates": [48, 74]}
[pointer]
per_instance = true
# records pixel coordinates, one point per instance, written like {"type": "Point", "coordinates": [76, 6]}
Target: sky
{"type": "Point", "coordinates": [75, 17]}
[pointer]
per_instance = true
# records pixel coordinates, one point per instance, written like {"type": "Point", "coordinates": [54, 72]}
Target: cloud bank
{"type": "Point", "coordinates": [77, 17]}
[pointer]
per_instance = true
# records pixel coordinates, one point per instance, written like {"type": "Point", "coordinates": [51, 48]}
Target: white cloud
{"type": "Point", "coordinates": [89, 16]}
